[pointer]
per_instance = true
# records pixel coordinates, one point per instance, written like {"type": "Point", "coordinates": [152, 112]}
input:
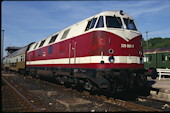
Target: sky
{"type": "Point", "coordinates": [31, 21]}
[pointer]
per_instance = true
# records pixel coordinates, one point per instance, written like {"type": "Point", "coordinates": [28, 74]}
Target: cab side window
{"type": "Point", "coordinates": [90, 24]}
{"type": "Point", "coordinates": [93, 22]}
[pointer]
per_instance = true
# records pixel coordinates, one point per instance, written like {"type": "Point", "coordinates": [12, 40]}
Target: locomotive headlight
{"type": "Point", "coordinates": [111, 51]}
{"type": "Point", "coordinates": [111, 59]}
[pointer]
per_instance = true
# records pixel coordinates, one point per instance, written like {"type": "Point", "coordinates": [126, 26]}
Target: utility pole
{"type": "Point", "coordinates": [147, 40]}
{"type": "Point", "coordinates": [2, 46]}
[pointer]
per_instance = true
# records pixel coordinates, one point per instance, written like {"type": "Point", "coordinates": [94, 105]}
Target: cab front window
{"type": "Point", "coordinates": [130, 25]}
{"type": "Point", "coordinates": [113, 22]}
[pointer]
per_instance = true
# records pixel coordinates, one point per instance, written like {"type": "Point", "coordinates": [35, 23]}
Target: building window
{"type": "Point", "coordinates": [100, 22]}
{"type": "Point", "coordinates": [39, 52]}
{"type": "Point", "coordinates": [65, 33]}
{"type": "Point", "coordinates": [53, 38]}
{"type": "Point", "coordinates": [42, 42]}
{"type": "Point", "coordinates": [50, 49]}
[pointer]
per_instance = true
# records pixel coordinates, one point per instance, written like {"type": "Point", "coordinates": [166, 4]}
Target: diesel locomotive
{"type": "Point", "coordinates": [101, 52]}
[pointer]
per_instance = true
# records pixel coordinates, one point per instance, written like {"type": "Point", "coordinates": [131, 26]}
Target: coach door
{"type": "Point", "coordinates": [72, 52]}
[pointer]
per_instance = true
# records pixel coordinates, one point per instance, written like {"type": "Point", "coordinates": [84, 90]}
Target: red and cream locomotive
{"type": "Point", "coordinates": [102, 52]}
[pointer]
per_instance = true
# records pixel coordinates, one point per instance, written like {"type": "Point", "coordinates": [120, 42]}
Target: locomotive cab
{"type": "Point", "coordinates": [118, 43]}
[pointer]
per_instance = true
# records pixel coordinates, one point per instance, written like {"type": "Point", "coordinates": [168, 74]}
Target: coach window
{"type": "Point", "coordinates": [169, 57]}
{"type": "Point", "coordinates": [53, 38]}
{"type": "Point", "coordinates": [150, 58]}
{"type": "Point", "coordinates": [42, 42]}
{"type": "Point", "coordinates": [100, 22]}
{"type": "Point", "coordinates": [21, 58]}
{"type": "Point", "coordinates": [50, 49]}
{"type": "Point", "coordinates": [39, 52]}
{"type": "Point", "coordinates": [163, 57]}
{"type": "Point", "coordinates": [65, 33]}
{"type": "Point", "coordinates": [113, 22]}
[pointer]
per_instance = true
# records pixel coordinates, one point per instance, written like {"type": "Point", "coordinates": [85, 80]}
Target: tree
{"type": "Point", "coordinates": [157, 42]}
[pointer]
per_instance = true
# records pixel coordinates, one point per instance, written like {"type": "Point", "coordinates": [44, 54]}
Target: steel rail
{"type": "Point", "coordinates": [138, 106]}
{"type": "Point", "coordinates": [21, 95]}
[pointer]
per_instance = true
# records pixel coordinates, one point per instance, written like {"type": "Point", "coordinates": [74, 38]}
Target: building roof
{"type": "Point", "coordinates": [12, 48]}
{"type": "Point", "coordinates": [157, 50]}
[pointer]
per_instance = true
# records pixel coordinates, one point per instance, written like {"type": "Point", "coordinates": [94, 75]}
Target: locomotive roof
{"type": "Point", "coordinates": [104, 13]}
{"type": "Point", "coordinates": [157, 50]}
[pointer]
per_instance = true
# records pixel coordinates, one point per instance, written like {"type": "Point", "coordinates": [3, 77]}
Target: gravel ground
{"type": "Point", "coordinates": [58, 98]}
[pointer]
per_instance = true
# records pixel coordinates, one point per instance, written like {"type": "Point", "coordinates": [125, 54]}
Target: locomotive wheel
{"type": "Point", "coordinates": [37, 76]}
{"type": "Point", "coordinates": [87, 85]}
{"type": "Point", "coordinates": [34, 75]}
{"type": "Point", "coordinates": [113, 87]}
{"type": "Point", "coordinates": [131, 82]}
{"type": "Point", "coordinates": [141, 80]}
{"type": "Point", "coordinates": [123, 75]}
{"type": "Point", "coordinates": [59, 79]}
{"type": "Point", "coordinates": [56, 78]}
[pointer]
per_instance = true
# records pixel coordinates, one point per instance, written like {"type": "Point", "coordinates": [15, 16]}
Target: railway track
{"type": "Point", "coordinates": [131, 105]}
{"type": "Point", "coordinates": [127, 104]}
{"type": "Point", "coordinates": [140, 104]}
{"type": "Point", "coordinates": [153, 103]}
{"type": "Point", "coordinates": [14, 101]}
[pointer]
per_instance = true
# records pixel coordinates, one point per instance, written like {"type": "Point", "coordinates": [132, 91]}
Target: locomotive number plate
{"type": "Point", "coordinates": [127, 45]}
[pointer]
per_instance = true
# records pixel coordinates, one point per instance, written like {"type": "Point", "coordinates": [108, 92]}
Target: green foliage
{"type": "Point", "coordinates": [157, 42]}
